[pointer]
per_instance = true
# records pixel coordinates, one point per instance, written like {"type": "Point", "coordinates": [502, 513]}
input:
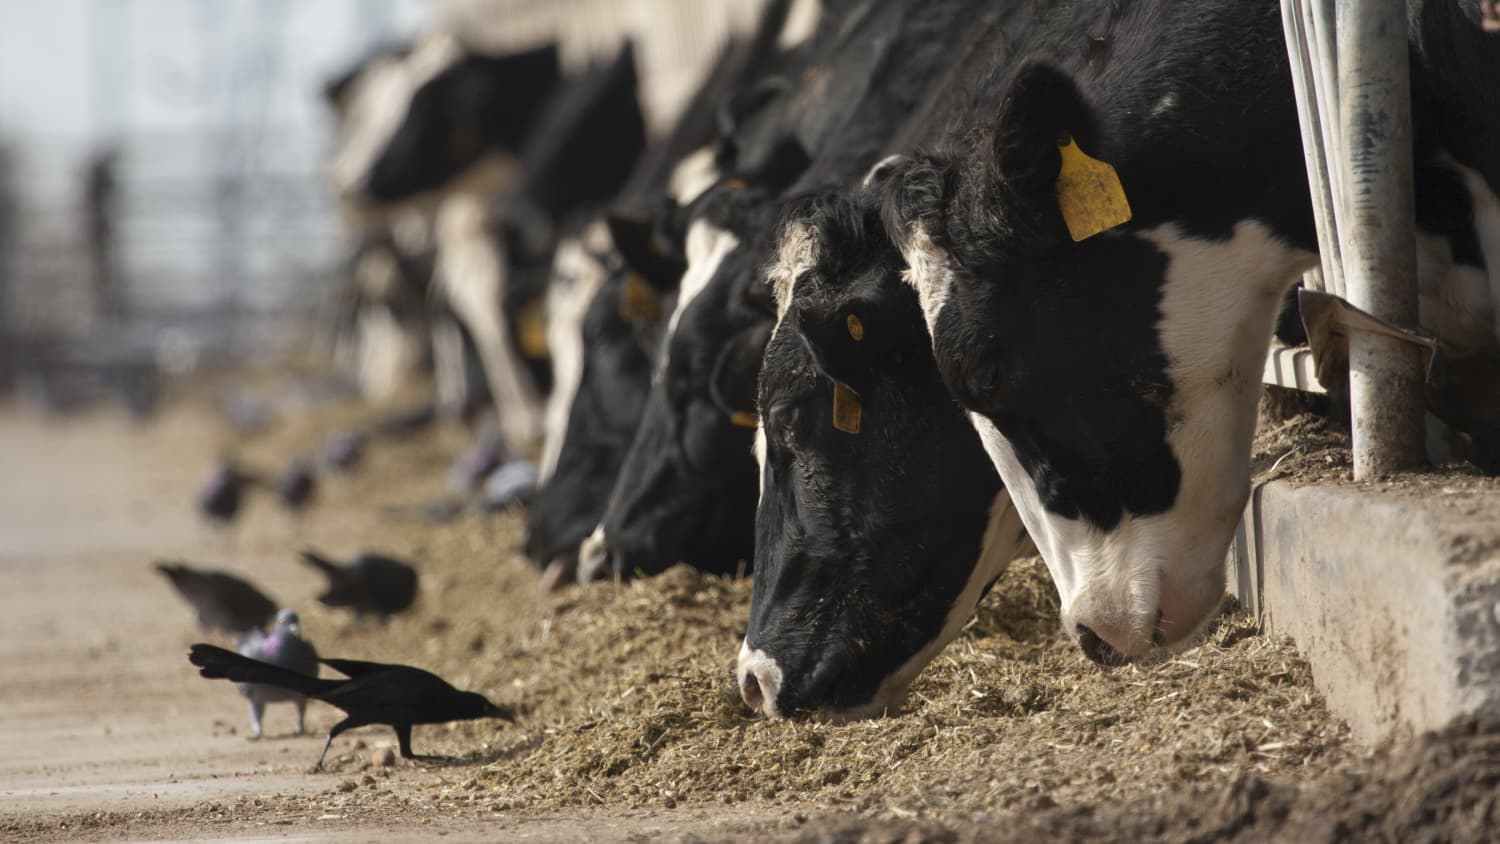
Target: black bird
{"type": "Point", "coordinates": [296, 485]}
{"type": "Point", "coordinates": [221, 600]}
{"type": "Point", "coordinates": [222, 495]}
{"type": "Point", "coordinates": [369, 584]}
{"type": "Point", "coordinates": [396, 695]}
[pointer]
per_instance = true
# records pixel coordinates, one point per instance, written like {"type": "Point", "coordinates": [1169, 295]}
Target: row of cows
{"type": "Point", "coordinates": [901, 293]}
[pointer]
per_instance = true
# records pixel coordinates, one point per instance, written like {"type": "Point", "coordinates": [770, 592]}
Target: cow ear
{"type": "Point", "coordinates": [736, 110]}
{"type": "Point", "coordinates": [855, 342]}
{"type": "Point", "coordinates": [737, 372]}
{"type": "Point", "coordinates": [1043, 115]}
{"type": "Point", "coordinates": [786, 161]}
{"type": "Point", "coordinates": [638, 243]}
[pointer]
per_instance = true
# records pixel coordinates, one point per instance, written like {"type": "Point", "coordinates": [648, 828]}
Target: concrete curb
{"type": "Point", "coordinates": [1392, 595]}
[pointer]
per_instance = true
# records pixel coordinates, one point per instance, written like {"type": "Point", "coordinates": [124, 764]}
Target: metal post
{"type": "Point", "coordinates": [1376, 235]}
{"type": "Point", "coordinates": [1296, 19]}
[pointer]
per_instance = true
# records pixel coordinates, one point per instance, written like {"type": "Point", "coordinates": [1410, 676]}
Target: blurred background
{"type": "Point", "coordinates": [164, 199]}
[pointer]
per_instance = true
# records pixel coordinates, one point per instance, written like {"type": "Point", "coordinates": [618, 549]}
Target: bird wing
{"type": "Point", "coordinates": [356, 668]}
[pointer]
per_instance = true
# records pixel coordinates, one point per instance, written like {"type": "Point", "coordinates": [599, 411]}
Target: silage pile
{"type": "Point", "coordinates": [628, 698]}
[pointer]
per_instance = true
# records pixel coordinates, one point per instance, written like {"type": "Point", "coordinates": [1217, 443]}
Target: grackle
{"type": "Point", "coordinates": [221, 600]}
{"type": "Point", "coordinates": [369, 584]}
{"type": "Point", "coordinates": [396, 695]}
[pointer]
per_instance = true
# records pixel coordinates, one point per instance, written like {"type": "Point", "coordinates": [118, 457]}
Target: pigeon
{"type": "Point", "coordinates": [222, 495]}
{"type": "Point", "coordinates": [342, 450]}
{"type": "Point", "coordinates": [482, 458]}
{"type": "Point", "coordinates": [396, 695]}
{"type": "Point", "coordinates": [369, 584]}
{"type": "Point", "coordinates": [508, 486]}
{"type": "Point", "coordinates": [283, 647]}
{"type": "Point", "coordinates": [221, 600]}
{"type": "Point", "coordinates": [297, 485]}
{"type": "Point", "coordinates": [407, 422]}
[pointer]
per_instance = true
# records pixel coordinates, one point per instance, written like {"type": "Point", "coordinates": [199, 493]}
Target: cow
{"type": "Point", "coordinates": [496, 252]}
{"type": "Point", "coordinates": [416, 118]}
{"type": "Point", "coordinates": [686, 491]}
{"type": "Point", "coordinates": [873, 485]}
{"type": "Point", "coordinates": [602, 360]}
{"type": "Point", "coordinates": [1111, 365]}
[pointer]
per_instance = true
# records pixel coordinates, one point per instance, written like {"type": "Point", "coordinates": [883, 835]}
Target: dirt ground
{"type": "Point", "coordinates": [630, 728]}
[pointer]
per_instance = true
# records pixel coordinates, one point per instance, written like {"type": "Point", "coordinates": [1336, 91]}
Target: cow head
{"type": "Point", "coordinates": [871, 546]}
{"type": "Point", "coordinates": [414, 122]}
{"type": "Point", "coordinates": [1113, 380]}
{"type": "Point", "coordinates": [604, 401]}
{"type": "Point", "coordinates": [686, 492]}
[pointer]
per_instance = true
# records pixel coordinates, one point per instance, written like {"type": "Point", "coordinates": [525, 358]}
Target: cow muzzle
{"type": "Point", "coordinates": [759, 679]}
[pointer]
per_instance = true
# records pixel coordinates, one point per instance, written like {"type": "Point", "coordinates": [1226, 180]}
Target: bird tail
{"type": "Point", "coordinates": [219, 664]}
{"type": "Point", "coordinates": [321, 563]}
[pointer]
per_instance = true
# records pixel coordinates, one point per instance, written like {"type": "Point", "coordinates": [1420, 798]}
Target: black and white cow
{"type": "Point", "coordinates": [836, 259]}
{"type": "Point", "coordinates": [415, 119]}
{"type": "Point", "coordinates": [605, 315]}
{"type": "Point", "coordinates": [1114, 378]}
{"type": "Point", "coordinates": [496, 253]}
{"type": "Point", "coordinates": [686, 492]}
{"type": "Point", "coordinates": [873, 485]}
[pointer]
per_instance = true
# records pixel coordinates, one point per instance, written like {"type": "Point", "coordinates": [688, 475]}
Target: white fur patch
{"type": "Point", "coordinates": [693, 175]}
{"type": "Point", "coordinates": [576, 278]}
{"type": "Point", "coordinates": [707, 246]}
{"type": "Point", "coordinates": [471, 274]}
{"type": "Point", "coordinates": [930, 271]}
{"type": "Point", "coordinates": [797, 252]}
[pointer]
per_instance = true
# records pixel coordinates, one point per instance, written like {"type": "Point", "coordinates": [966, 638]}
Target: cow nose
{"type": "Point", "coordinates": [750, 692]}
{"type": "Point", "coordinates": [593, 556]}
{"type": "Point", "coordinates": [1096, 649]}
{"type": "Point", "coordinates": [760, 680]}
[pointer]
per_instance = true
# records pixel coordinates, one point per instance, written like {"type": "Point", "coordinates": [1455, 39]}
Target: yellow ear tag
{"type": "Point", "coordinates": [856, 328]}
{"type": "Point", "coordinates": [743, 419]}
{"type": "Point", "coordinates": [847, 411]}
{"type": "Point", "coordinates": [638, 301]}
{"type": "Point", "coordinates": [1089, 193]}
{"type": "Point", "coordinates": [531, 328]}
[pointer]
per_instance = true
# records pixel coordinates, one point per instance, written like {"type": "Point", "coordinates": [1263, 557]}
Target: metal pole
{"type": "Point", "coordinates": [1295, 18]}
{"type": "Point", "coordinates": [1377, 233]}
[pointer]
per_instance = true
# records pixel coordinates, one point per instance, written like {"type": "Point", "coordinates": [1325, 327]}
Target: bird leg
{"type": "Point", "coordinates": [319, 766]}
{"type": "Point", "coordinates": [403, 740]}
{"type": "Point", "coordinates": [301, 716]}
{"type": "Point", "coordinates": [337, 728]}
{"type": "Point", "coordinates": [257, 710]}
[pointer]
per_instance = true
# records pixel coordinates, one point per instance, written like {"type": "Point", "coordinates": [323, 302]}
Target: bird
{"type": "Point", "coordinates": [283, 647]}
{"type": "Point", "coordinates": [222, 494]}
{"type": "Point", "coordinates": [297, 485]}
{"type": "Point", "coordinates": [369, 584]}
{"type": "Point", "coordinates": [473, 466]}
{"type": "Point", "coordinates": [343, 450]}
{"type": "Point", "coordinates": [374, 693]}
{"type": "Point", "coordinates": [221, 600]}
{"type": "Point", "coordinates": [511, 485]}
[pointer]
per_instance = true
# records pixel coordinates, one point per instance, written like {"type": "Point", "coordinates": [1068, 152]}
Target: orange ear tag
{"type": "Point", "coordinates": [847, 411]}
{"type": "Point", "coordinates": [638, 301]}
{"type": "Point", "coordinates": [743, 419]}
{"type": "Point", "coordinates": [1089, 193]}
{"type": "Point", "coordinates": [856, 328]}
{"type": "Point", "coordinates": [531, 329]}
